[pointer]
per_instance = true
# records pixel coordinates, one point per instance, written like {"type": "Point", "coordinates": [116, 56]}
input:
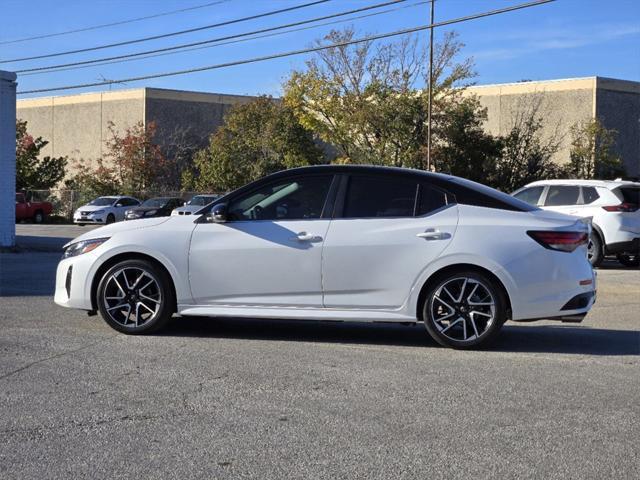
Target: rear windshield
{"type": "Point", "coordinates": [630, 194]}
{"type": "Point", "coordinates": [472, 193]}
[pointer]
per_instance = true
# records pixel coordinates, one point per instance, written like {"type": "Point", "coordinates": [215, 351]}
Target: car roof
{"type": "Point", "coordinates": [610, 184]}
{"type": "Point", "coordinates": [362, 169]}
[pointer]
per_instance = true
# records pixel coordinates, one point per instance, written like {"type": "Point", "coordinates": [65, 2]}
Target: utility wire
{"type": "Point", "coordinates": [171, 34]}
{"type": "Point", "coordinates": [214, 40]}
{"type": "Point", "coordinates": [297, 52]}
{"type": "Point", "coordinates": [113, 24]}
{"type": "Point", "coordinates": [256, 37]}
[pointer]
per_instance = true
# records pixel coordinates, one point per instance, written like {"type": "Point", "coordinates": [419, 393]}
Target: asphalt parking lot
{"type": "Point", "coordinates": [211, 398]}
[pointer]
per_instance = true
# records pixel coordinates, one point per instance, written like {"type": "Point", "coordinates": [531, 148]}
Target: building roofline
{"type": "Point", "coordinates": [561, 84]}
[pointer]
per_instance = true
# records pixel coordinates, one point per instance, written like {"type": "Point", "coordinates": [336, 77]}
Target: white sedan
{"type": "Point", "coordinates": [346, 243]}
{"type": "Point", "coordinates": [104, 210]}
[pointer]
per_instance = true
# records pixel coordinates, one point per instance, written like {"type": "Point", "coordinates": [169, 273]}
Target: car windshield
{"type": "Point", "coordinates": [102, 201]}
{"type": "Point", "coordinates": [155, 202]}
{"type": "Point", "coordinates": [201, 200]}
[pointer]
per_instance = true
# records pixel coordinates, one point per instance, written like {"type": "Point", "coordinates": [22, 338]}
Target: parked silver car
{"type": "Point", "coordinates": [195, 204]}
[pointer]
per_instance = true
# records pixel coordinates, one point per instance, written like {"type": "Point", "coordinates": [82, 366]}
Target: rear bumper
{"type": "Point", "coordinates": [632, 246]}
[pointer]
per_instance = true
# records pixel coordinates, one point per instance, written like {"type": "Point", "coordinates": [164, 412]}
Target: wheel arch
{"type": "Point", "coordinates": [129, 256]}
{"type": "Point", "coordinates": [459, 267]}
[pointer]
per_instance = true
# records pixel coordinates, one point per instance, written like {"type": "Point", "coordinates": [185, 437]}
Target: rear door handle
{"type": "Point", "coordinates": [433, 235]}
{"type": "Point", "coordinates": [306, 237]}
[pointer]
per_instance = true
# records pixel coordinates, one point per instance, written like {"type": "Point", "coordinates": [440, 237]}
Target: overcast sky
{"type": "Point", "coordinates": [567, 38]}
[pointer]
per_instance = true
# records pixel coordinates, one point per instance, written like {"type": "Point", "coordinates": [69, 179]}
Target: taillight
{"type": "Point", "coordinates": [623, 207]}
{"type": "Point", "coordinates": [562, 241]}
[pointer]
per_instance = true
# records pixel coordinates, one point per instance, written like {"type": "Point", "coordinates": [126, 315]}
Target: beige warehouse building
{"type": "Point", "coordinates": [563, 103]}
{"type": "Point", "coordinates": [77, 126]}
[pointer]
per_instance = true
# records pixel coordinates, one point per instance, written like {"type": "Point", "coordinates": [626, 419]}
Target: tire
{"type": "Point", "coordinates": [629, 259]}
{"type": "Point", "coordinates": [595, 250]}
{"type": "Point", "coordinates": [81, 224]}
{"type": "Point", "coordinates": [38, 217]}
{"type": "Point", "coordinates": [464, 310]}
{"type": "Point", "coordinates": [127, 285]}
{"type": "Point", "coordinates": [110, 219]}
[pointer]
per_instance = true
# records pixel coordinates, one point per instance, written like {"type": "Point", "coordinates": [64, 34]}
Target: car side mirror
{"type": "Point", "coordinates": [118, 205]}
{"type": "Point", "coordinates": [218, 214]}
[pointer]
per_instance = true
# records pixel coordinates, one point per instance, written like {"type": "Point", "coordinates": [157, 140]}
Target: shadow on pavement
{"type": "Point", "coordinates": [42, 243]}
{"type": "Point", "coordinates": [513, 338]}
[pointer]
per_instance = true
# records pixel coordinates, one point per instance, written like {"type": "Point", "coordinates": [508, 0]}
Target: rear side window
{"type": "Point", "coordinates": [371, 196]}
{"type": "Point", "coordinates": [430, 199]}
{"type": "Point", "coordinates": [630, 195]}
{"type": "Point", "coordinates": [589, 195]}
{"type": "Point", "coordinates": [530, 195]}
{"type": "Point", "coordinates": [562, 195]}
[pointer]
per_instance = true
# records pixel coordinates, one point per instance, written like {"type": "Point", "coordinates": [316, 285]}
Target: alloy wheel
{"type": "Point", "coordinates": [132, 297]}
{"type": "Point", "coordinates": [463, 309]}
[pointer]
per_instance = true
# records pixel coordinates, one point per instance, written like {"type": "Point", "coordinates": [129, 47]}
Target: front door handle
{"type": "Point", "coordinates": [307, 237]}
{"type": "Point", "coordinates": [433, 235]}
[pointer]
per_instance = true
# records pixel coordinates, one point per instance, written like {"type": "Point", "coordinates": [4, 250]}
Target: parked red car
{"type": "Point", "coordinates": [31, 210]}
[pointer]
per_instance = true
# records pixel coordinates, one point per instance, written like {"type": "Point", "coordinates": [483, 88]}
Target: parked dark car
{"type": "Point", "coordinates": [154, 207]}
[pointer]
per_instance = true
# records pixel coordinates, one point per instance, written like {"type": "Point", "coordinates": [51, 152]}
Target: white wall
{"type": "Point", "coordinates": [7, 159]}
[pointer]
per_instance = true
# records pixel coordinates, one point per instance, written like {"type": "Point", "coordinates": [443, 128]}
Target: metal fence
{"type": "Point", "coordinates": [65, 202]}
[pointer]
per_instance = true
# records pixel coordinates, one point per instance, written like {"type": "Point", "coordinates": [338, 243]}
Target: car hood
{"type": "Point", "coordinates": [92, 208]}
{"type": "Point", "coordinates": [112, 229]}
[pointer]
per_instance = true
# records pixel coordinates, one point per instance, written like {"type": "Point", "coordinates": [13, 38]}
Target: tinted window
{"type": "Point", "coordinates": [430, 200]}
{"type": "Point", "coordinates": [589, 195]}
{"type": "Point", "coordinates": [562, 195]}
{"type": "Point", "coordinates": [472, 193]}
{"type": "Point", "coordinates": [630, 195]}
{"type": "Point", "coordinates": [530, 195]}
{"type": "Point", "coordinates": [379, 197]}
{"type": "Point", "coordinates": [291, 199]}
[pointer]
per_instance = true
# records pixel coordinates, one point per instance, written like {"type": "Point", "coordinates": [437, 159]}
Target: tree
{"type": "Point", "coordinates": [256, 139]}
{"type": "Point", "coordinates": [33, 172]}
{"type": "Point", "coordinates": [371, 103]}
{"type": "Point", "coordinates": [592, 154]}
{"type": "Point", "coordinates": [527, 155]}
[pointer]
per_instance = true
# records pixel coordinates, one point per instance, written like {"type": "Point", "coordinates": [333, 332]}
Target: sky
{"type": "Point", "coordinates": [563, 39]}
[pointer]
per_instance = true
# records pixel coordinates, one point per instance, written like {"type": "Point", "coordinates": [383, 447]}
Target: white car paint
{"type": "Point", "coordinates": [98, 214]}
{"type": "Point", "coordinates": [342, 269]}
{"type": "Point", "coordinates": [616, 228]}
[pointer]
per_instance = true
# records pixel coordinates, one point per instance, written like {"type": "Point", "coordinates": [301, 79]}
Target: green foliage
{"type": "Point", "coordinates": [257, 138]}
{"type": "Point", "coordinates": [33, 172]}
{"type": "Point", "coordinates": [462, 147]}
{"type": "Point", "coordinates": [592, 154]}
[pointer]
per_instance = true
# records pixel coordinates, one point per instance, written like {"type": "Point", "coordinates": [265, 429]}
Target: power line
{"type": "Point", "coordinates": [171, 34]}
{"type": "Point", "coordinates": [113, 24]}
{"type": "Point", "coordinates": [298, 52]}
{"type": "Point", "coordinates": [214, 40]}
{"type": "Point", "coordinates": [257, 37]}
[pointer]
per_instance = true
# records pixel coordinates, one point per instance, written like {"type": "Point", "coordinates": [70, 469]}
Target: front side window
{"type": "Point", "coordinates": [559, 195]}
{"type": "Point", "coordinates": [292, 199]}
{"type": "Point", "coordinates": [530, 195]}
{"type": "Point", "coordinates": [369, 197]}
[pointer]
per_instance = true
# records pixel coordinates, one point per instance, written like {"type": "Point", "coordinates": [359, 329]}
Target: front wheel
{"type": "Point", "coordinates": [135, 297]}
{"type": "Point", "coordinates": [38, 217]}
{"type": "Point", "coordinates": [110, 218]}
{"type": "Point", "coordinates": [629, 259]}
{"type": "Point", "coordinates": [464, 310]}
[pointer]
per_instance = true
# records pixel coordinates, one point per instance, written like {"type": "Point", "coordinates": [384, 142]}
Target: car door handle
{"type": "Point", "coordinates": [306, 237]}
{"type": "Point", "coordinates": [433, 235]}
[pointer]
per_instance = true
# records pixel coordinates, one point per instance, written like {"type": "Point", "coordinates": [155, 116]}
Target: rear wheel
{"type": "Point", "coordinates": [135, 297]}
{"type": "Point", "coordinates": [595, 251]}
{"type": "Point", "coordinates": [629, 259]}
{"type": "Point", "coordinates": [464, 310]}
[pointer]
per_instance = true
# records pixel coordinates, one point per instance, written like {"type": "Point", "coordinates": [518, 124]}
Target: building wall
{"type": "Point", "coordinates": [563, 103]}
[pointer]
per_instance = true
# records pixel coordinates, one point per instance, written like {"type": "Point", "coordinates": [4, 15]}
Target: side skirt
{"type": "Point", "coordinates": [299, 313]}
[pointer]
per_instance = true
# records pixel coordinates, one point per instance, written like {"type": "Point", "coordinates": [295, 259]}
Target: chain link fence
{"type": "Point", "coordinates": [65, 202]}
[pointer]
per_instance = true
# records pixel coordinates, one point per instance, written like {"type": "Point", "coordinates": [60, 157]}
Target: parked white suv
{"type": "Point", "coordinates": [614, 207]}
{"type": "Point", "coordinates": [104, 210]}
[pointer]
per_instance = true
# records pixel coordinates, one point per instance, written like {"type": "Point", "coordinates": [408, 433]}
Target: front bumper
{"type": "Point", "coordinates": [99, 219]}
{"type": "Point", "coordinates": [73, 289]}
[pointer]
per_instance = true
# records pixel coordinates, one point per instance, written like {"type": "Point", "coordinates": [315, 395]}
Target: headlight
{"type": "Point", "coordinates": [84, 246]}
{"type": "Point", "coordinates": [97, 212]}
{"type": "Point", "coordinates": [151, 212]}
